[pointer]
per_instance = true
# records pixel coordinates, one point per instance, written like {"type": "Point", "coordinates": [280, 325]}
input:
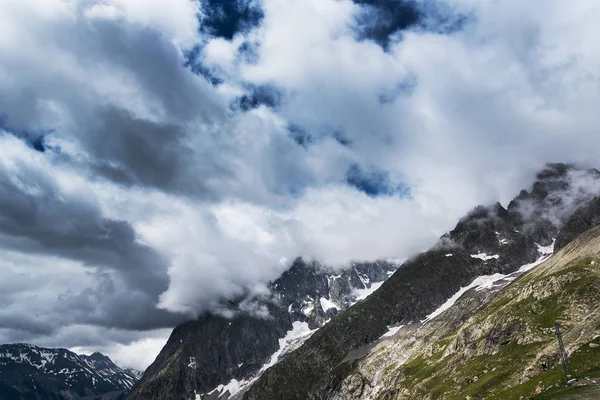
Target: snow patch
{"type": "Point", "coordinates": [527, 267]}
{"type": "Point", "coordinates": [361, 294]}
{"type": "Point", "coordinates": [545, 250]}
{"type": "Point", "coordinates": [290, 342]}
{"type": "Point", "coordinates": [392, 330]}
{"type": "Point", "coordinates": [327, 304]}
{"type": "Point", "coordinates": [484, 282]}
{"type": "Point", "coordinates": [299, 333]}
{"type": "Point", "coordinates": [484, 256]}
{"type": "Point", "coordinates": [363, 278]}
{"type": "Point", "coordinates": [307, 311]}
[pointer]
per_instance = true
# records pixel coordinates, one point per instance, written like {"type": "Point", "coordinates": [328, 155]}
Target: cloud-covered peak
{"type": "Point", "coordinates": [159, 158]}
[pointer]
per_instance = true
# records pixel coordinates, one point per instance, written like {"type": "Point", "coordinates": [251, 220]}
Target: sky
{"type": "Point", "coordinates": [158, 158]}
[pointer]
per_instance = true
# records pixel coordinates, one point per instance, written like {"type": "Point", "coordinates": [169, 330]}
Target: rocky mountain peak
{"type": "Point", "coordinates": [558, 191]}
{"type": "Point", "coordinates": [99, 357]}
{"type": "Point", "coordinates": [236, 350]}
{"type": "Point", "coordinates": [32, 372]}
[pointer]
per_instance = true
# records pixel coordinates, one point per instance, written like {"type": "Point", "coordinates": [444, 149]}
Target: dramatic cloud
{"type": "Point", "coordinates": [160, 157]}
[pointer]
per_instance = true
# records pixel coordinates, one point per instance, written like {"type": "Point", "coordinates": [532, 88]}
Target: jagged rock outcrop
{"type": "Point", "coordinates": [36, 373]}
{"type": "Point", "coordinates": [585, 218]}
{"type": "Point", "coordinates": [214, 354]}
{"type": "Point", "coordinates": [558, 191]}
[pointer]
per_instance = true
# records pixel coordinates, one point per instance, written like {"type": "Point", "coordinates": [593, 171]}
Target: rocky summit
{"type": "Point", "coordinates": [487, 294]}
{"type": "Point", "coordinates": [216, 356]}
{"type": "Point", "coordinates": [36, 373]}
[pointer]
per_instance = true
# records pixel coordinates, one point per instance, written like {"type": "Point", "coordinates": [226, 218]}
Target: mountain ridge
{"type": "Point", "coordinates": [498, 342]}
{"type": "Point", "coordinates": [235, 349]}
{"type": "Point", "coordinates": [488, 241]}
{"type": "Point", "coordinates": [33, 372]}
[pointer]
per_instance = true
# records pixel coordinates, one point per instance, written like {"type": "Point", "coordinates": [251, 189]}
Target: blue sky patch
{"type": "Point", "coordinates": [374, 182]}
{"type": "Point", "coordinates": [226, 18]}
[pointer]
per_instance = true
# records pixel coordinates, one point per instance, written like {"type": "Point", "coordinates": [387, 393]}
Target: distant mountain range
{"type": "Point", "coordinates": [34, 373]}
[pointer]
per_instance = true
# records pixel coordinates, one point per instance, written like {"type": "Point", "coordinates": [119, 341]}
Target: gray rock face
{"type": "Point", "coordinates": [30, 372]}
{"type": "Point", "coordinates": [558, 191]}
{"type": "Point", "coordinates": [584, 218]}
{"type": "Point", "coordinates": [214, 350]}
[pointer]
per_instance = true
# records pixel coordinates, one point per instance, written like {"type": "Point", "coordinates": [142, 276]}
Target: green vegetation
{"type": "Point", "coordinates": [168, 368]}
{"type": "Point", "coordinates": [513, 333]}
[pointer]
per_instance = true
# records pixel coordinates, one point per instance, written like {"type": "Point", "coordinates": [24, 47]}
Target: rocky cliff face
{"type": "Point", "coordinates": [557, 192]}
{"type": "Point", "coordinates": [585, 218]}
{"type": "Point", "coordinates": [31, 372]}
{"type": "Point", "coordinates": [216, 356]}
{"type": "Point", "coordinates": [490, 240]}
{"type": "Point", "coordinates": [496, 341]}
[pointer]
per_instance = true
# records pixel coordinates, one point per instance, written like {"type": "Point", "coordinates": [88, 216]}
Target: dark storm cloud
{"type": "Point", "coordinates": [36, 217]}
{"type": "Point", "coordinates": [109, 306]}
{"type": "Point", "coordinates": [149, 153]}
{"type": "Point", "coordinates": [30, 325]}
{"type": "Point", "coordinates": [152, 62]}
{"type": "Point", "coordinates": [148, 59]}
{"type": "Point", "coordinates": [148, 150]}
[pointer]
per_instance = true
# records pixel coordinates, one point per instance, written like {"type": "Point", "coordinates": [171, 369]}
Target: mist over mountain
{"type": "Point", "coordinates": [164, 163]}
{"type": "Point", "coordinates": [300, 342]}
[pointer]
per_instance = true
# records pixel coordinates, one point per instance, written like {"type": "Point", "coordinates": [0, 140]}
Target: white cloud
{"type": "Point", "coordinates": [137, 354]}
{"type": "Point", "coordinates": [176, 19]}
{"type": "Point", "coordinates": [229, 199]}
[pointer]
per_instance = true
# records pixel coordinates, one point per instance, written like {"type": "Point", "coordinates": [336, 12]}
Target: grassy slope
{"type": "Point", "coordinates": [507, 350]}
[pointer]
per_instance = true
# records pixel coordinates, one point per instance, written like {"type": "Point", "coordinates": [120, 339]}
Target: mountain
{"type": "Point", "coordinates": [497, 341]}
{"type": "Point", "coordinates": [216, 356]}
{"type": "Point", "coordinates": [489, 240]}
{"type": "Point", "coordinates": [36, 373]}
{"type": "Point", "coordinates": [285, 356]}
